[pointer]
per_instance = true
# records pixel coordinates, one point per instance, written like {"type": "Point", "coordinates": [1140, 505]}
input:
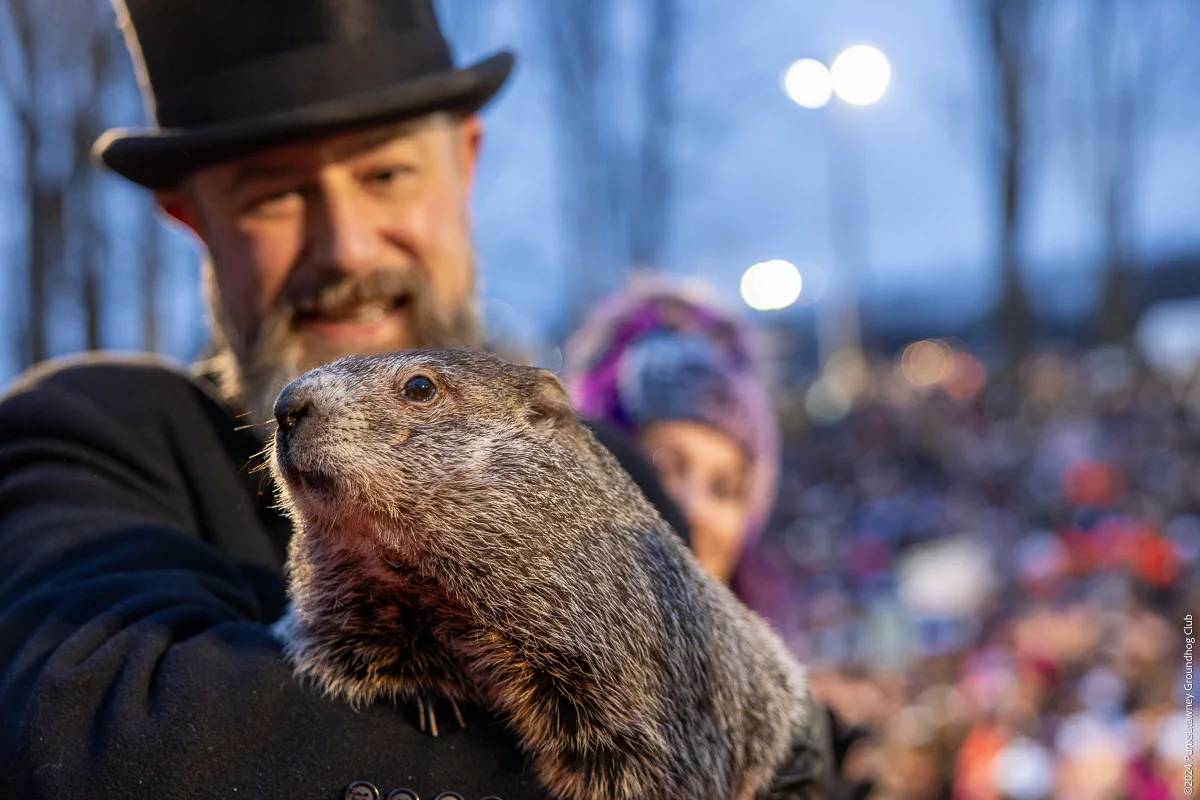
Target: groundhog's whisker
{"type": "Point", "coordinates": [263, 457]}
{"type": "Point", "coordinates": [262, 466]}
{"type": "Point", "coordinates": [250, 425]}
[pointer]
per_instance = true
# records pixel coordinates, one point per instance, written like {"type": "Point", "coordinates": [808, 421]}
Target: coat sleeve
{"type": "Point", "coordinates": [135, 657]}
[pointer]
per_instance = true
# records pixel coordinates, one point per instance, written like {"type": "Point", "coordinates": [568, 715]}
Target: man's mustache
{"type": "Point", "coordinates": [335, 294]}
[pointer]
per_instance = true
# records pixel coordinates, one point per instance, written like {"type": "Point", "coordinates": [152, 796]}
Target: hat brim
{"type": "Point", "coordinates": [159, 158]}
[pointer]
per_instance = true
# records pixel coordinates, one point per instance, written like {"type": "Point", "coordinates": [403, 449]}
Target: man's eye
{"type": "Point", "coordinates": [388, 175]}
{"type": "Point", "coordinates": [273, 203]}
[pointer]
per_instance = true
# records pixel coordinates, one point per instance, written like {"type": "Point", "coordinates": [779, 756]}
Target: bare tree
{"type": "Point", "coordinates": [1013, 77]}
{"type": "Point", "coordinates": [63, 60]}
{"type": "Point", "coordinates": [23, 86]}
{"type": "Point", "coordinates": [617, 185]}
{"type": "Point", "coordinates": [577, 35]}
{"type": "Point", "coordinates": [1090, 72]}
{"type": "Point", "coordinates": [53, 88]}
{"type": "Point", "coordinates": [1122, 56]}
{"type": "Point", "coordinates": [154, 249]}
{"type": "Point", "coordinates": [651, 201]}
{"type": "Point", "coordinates": [85, 201]}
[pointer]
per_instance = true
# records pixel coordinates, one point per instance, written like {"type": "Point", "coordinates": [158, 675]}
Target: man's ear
{"type": "Point", "coordinates": [470, 141]}
{"type": "Point", "coordinates": [176, 206]}
{"type": "Point", "coordinates": [547, 403]}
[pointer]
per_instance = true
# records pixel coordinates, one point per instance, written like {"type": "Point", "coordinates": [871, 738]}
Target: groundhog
{"type": "Point", "coordinates": [460, 534]}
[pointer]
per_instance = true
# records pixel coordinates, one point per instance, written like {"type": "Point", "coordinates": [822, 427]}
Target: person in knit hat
{"type": "Point", "coordinates": [677, 373]}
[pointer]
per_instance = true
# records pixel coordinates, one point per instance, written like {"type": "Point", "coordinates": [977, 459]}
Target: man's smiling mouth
{"type": "Point", "coordinates": [366, 313]}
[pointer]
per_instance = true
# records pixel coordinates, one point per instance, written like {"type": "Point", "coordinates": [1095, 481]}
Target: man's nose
{"type": "Point", "coordinates": [343, 233]}
{"type": "Point", "coordinates": [293, 404]}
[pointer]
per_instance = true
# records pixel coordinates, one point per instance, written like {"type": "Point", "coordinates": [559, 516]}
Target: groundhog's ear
{"type": "Point", "coordinates": [547, 402]}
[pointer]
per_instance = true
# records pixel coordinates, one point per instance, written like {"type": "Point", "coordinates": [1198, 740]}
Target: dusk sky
{"type": "Point", "coordinates": [750, 167]}
{"type": "Point", "coordinates": [752, 164]}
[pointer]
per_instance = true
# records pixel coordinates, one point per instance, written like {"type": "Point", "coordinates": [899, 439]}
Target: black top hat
{"type": "Point", "coordinates": [224, 77]}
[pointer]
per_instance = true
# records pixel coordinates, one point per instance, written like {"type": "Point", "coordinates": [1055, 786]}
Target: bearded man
{"type": "Point", "coordinates": [323, 152]}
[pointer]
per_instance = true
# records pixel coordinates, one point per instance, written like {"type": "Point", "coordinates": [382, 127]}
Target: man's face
{"type": "Point", "coordinates": [357, 242]}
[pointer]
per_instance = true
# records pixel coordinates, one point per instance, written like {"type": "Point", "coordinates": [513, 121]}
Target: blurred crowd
{"type": "Point", "coordinates": [988, 567]}
{"type": "Point", "coordinates": [989, 571]}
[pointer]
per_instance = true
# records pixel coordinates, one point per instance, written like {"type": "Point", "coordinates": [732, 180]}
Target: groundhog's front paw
{"type": "Point", "coordinates": [361, 676]}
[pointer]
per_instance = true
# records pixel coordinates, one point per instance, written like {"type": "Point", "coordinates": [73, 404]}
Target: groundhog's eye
{"type": "Point", "coordinates": [419, 389]}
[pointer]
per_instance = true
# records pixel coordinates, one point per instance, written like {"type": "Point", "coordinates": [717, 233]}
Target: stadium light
{"type": "Point", "coordinates": [808, 83]}
{"type": "Point", "coordinates": [771, 285]}
{"type": "Point", "coordinates": [861, 75]}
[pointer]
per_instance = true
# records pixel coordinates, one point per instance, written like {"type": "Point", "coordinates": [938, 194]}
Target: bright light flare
{"type": "Point", "coordinates": [861, 74]}
{"type": "Point", "coordinates": [808, 83]}
{"type": "Point", "coordinates": [771, 285]}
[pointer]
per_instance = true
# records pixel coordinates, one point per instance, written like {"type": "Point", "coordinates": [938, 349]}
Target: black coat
{"type": "Point", "coordinates": [140, 570]}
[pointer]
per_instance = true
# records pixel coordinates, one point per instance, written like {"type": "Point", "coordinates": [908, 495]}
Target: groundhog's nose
{"type": "Point", "coordinates": [291, 406]}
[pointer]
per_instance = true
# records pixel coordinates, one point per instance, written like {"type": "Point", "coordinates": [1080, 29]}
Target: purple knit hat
{"type": "Point", "coordinates": [663, 351]}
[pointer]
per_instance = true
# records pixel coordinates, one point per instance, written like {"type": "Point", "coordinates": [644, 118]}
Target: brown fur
{"type": "Point", "coordinates": [484, 547]}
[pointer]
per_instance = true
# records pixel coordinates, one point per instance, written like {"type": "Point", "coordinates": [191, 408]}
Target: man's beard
{"type": "Point", "coordinates": [251, 367]}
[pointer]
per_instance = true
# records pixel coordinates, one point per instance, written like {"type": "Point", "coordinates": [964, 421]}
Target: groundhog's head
{"type": "Point", "coordinates": [407, 442]}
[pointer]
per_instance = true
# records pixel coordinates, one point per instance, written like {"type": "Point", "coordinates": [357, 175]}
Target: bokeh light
{"type": "Point", "coordinates": [808, 83]}
{"type": "Point", "coordinates": [848, 370]}
{"type": "Point", "coordinates": [966, 377]}
{"type": "Point", "coordinates": [833, 395]}
{"type": "Point", "coordinates": [771, 285]}
{"type": "Point", "coordinates": [952, 577]}
{"type": "Point", "coordinates": [926, 363]}
{"type": "Point", "coordinates": [826, 402]}
{"type": "Point", "coordinates": [861, 74]}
